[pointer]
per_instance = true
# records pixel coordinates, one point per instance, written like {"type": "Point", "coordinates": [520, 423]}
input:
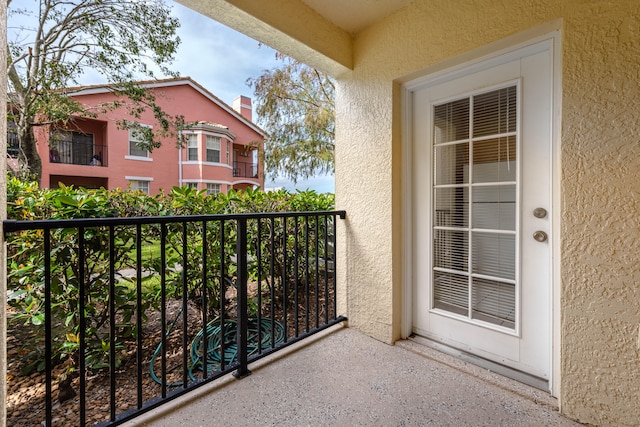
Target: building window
{"type": "Point", "coordinates": [73, 148]}
{"type": "Point", "coordinates": [13, 145]}
{"type": "Point", "coordinates": [135, 136]}
{"type": "Point", "coordinates": [192, 185]}
{"type": "Point", "coordinates": [213, 189]}
{"type": "Point", "coordinates": [192, 147]}
{"type": "Point", "coordinates": [139, 185]}
{"type": "Point", "coordinates": [229, 153]}
{"type": "Point", "coordinates": [213, 149]}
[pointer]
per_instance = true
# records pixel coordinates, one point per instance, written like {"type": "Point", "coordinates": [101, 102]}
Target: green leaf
{"type": "Point", "coordinates": [69, 318]}
{"type": "Point", "coordinates": [66, 200]}
{"type": "Point", "coordinates": [38, 319]}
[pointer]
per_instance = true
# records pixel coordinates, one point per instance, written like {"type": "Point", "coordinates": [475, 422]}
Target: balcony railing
{"type": "Point", "coordinates": [78, 153]}
{"type": "Point", "coordinates": [245, 169]}
{"type": "Point", "coordinates": [160, 306]}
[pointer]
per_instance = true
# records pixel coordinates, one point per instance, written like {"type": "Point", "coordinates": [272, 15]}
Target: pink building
{"type": "Point", "coordinates": [222, 150]}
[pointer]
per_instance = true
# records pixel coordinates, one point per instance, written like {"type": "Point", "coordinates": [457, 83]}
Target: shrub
{"type": "Point", "coordinates": [27, 271]}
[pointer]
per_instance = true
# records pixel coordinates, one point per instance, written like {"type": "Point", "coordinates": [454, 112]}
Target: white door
{"type": "Point", "coordinates": [482, 210]}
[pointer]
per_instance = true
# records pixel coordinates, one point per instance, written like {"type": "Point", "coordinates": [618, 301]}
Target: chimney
{"type": "Point", "coordinates": [242, 105]}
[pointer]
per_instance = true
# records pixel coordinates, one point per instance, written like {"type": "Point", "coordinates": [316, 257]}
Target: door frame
{"type": "Point", "coordinates": [488, 56]}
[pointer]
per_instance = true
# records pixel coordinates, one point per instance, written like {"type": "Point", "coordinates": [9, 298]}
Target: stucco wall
{"type": "Point", "coordinates": [601, 214]}
{"type": "Point", "coordinates": [600, 152]}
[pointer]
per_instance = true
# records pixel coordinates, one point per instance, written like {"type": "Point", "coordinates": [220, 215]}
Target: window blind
{"type": "Point", "coordinates": [474, 219]}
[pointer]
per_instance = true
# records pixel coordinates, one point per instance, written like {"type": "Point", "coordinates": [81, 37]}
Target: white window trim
{"type": "Point", "coordinates": [130, 156]}
{"type": "Point", "coordinates": [209, 181]}
{"type": "Point", "coordinates": [206, 149]}
{"type": "Point", "coordinates": [197, 147]}
{"type": "Point", "coordinates": [213, 183]}
{"type": "Point", "coordinates": [131, 179]}
{"type": "Point", "coordinates": [138, 178]}
{"type": "Point", "coordinates": [221, 165]}
{"type": "Point", "coordinates": [223, 138]}
{"type": "Point", "coordinates": [142, 159]}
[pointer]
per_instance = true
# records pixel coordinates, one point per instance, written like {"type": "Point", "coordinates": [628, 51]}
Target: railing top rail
{"type": "Point", "coordinates": [10, 226]}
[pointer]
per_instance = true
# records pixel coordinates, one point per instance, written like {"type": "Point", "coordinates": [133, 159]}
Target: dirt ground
{"type": "Point", "coordinates": [26, 394]}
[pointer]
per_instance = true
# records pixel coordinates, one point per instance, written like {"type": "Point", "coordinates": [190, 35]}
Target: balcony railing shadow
{"type": "Point", "coordinates": [126, 314]}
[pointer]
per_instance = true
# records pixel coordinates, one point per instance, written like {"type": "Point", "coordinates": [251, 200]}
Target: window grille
{"type": "Point", "coordinates": [135, 137]}
{"type": "Point", "coordinates": [139, 185]}
{"type": "Point", "coordinates": [475, 206]}
{"type": "Point", "coordinates": [192, 147]}
{"type": "Point", "coordinates": [213, 149]}
{"type": "Point", "coordinates": [213, 189]}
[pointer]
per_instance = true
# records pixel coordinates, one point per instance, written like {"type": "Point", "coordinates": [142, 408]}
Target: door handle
{"type": "Point", "coordinates": [540, 236]}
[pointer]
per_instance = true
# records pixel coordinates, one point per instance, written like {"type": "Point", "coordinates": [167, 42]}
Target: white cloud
{"type": "Point", "coordinates": [218, 57]}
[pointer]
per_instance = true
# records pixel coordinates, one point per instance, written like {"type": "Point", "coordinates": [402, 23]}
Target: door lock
{"type": "Point", "coordinates": [540, 236]}
{"type": "Point", "coordinates": [540, 212]}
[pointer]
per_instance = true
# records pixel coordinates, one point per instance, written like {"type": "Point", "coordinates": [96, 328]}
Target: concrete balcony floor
{"type": "Point", "coordinates": [344, 378]}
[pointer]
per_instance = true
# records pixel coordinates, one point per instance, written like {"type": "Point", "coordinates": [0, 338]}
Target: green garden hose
{"type": "Point", "coordinates": [214, 341]}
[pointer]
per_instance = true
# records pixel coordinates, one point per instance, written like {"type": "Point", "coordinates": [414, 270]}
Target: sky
{"type": "Point", "coordinates": [221, 59]}
{"type": "Point", "coordinates": [225, 60]}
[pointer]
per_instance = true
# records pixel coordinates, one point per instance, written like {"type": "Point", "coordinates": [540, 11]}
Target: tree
{"type": "Point", "coordinates": [122, 40]}
{"type": "Point", "coordinates": [295, 104]}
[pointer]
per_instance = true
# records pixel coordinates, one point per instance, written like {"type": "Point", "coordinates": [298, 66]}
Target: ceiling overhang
{"type": "Point", "coordinates": [288, 26]}
{"type": "Point", "coordinates": [317, 32]}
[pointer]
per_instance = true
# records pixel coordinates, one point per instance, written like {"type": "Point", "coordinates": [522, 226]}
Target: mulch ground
{"type": "Point", "coordinates": [26, 394]}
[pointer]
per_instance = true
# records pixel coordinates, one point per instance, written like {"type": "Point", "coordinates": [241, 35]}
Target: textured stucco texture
{"type": "Point", "coordinates": [600, 157]}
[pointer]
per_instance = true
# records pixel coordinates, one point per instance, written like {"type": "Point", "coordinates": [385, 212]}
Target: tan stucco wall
{"type": "Point", "coordinates": [600, 152]}
{"type": "Point", "coordinates": [601, 214]}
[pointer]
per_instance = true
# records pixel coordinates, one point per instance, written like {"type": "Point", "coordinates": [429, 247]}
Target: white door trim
{"type": "Point", "coordinates": [501, 52]}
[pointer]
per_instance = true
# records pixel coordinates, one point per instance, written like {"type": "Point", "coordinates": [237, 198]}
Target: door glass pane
{"type": "Point", "coordinates": [452, 164]}
{"type": "Point", "coordinates": [494, 255]}
{"type": "Point", "coordinates": [494, 302]}
{"type": "Point", "coordinates": [451, 250]}
{"type": "Point", "coordinates": [451, 292]}
{"type": "Point", "coordinates": [451, 121]}
{"type": "Point", "coordinates": [475, 207]}
{"type": "Point", "coordinates": [494, 159]}
{"type": "Point", "coordinates": [494, 207]}
{"type": "Point", "coordinates": [494, 112]}
{"type": "Point", "coordinates": [452, 207]}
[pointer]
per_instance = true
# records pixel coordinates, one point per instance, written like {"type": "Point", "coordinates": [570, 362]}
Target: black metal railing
{"type": "Point", "coordinates": [78, 153]}
{"type": "Point", "coordinates": [159, 306]}
{"type": "Point", "coordinates": [245, 169]}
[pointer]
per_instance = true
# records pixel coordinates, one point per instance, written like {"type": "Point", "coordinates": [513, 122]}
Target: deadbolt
{"type": "Point", "coordinates": [540, 236]}
{"type": "Point", "coordinates": [539, 213]}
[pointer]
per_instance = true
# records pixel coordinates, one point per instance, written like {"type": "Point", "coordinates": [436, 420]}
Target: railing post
{"type": "Point", "coordinates": [241, 286]}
